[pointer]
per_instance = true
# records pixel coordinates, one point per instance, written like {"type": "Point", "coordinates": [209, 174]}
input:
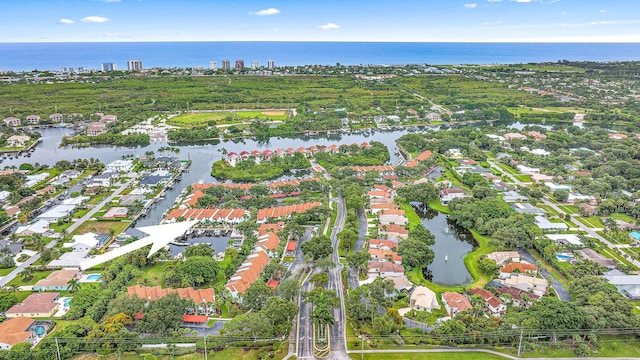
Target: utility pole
{"type": "Point", "coordinates": [520, 343]}
{"type": "Point", "coordinates": [57, 349]}
{"type": "Point", "coordinates": [362, 351]}
{"type": "Point", "coordinates": [205, 347]}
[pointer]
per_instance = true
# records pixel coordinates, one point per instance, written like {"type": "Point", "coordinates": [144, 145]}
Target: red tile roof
{"type": "Point", "coordinates": [282, 211]}
{"type": "Point", "coordinates": [195, 319]}
{"type": "Point", "coordinates": [156, 292]}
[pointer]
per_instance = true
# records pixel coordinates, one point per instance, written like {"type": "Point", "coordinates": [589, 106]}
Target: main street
{"type": "Point", "coordinates": [12, 275]}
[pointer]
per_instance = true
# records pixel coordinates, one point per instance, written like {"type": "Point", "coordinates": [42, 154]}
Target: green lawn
{"type": "Point", "coordinates": [523, 178]}
{"type": "Point", "coordinates": [550, 210]}
{"type": "Point", "coordinates": [569, 209]}
{"type": "Point", "coordinates": [226, 117]}
{"type": "Point", "coordinates": [595, 220]}
{"type": "Point", "coordinates": [5, 272]}
{"type": "Point", "coordinates": [430, 356]}
{"type": "Point", "coordinates": [437, 206]}
{"type": "Point", "coordinates": [587, 222]}
{"type": "Point", "coordinates": [411, 214]}
{"type": "Point", "coordinates": [623, 217]}
{"type": "Point", "coordinates": [37, 275]}
{"type": "Point", "coordinates": [508, 169]}
{"type": "Point", "coordinates": [101, 227]}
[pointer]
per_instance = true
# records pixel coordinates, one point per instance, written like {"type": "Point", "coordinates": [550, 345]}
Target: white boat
{"type": "Point", "coordinates": [446, 257]}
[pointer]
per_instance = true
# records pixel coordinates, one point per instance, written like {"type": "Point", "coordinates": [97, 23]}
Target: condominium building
{"type": "Point", "coordinates": [239, 64]}
{"type": "Point", "coordinates": [134, 65]}
{"type": "Point", "coordinates": [226, 64]}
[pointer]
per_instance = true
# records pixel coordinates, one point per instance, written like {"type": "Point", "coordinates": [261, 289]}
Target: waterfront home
{"type": "Point", "coordinates": [393, 231]}
{"type": "Point", "coordinates": [57, 280]}
{"type": "Point", "coordinates": [455, 303]}
{"type": "Point", "coordinates": [423, 298]}
{"type": "Point", "coordinates": [119, 166]}
{"type": "Point", "coordinates": [21, 329]}
{"type": "Point", "coordinates": [517, 268]}
{"type": "Point", "coordinates": [389, 244]}
{"type": "Point", "coordinates": [96, 128]}
{"type": "Point", "coordinates": [384, 269]}
{"type": "Point", "coordinates": [33, 119]}
{"type": "Point", "coordinates": [449, 194]}
{"type": "Point", "coordinates": [376, 208]}
{"type": "Point", "coordinates": [35, 305]}
{"type": "Point", "coordinates": [393, 217]}
{"type": "Point", "coordinates": [56, 117]}
{"type": "Point", "coordinates": [284, 211]}
{"type": "Point", "coordinates": [424, 156]}
{"type": "Point", "coordinates": [501, 257]}
{"type": "Point", "coordinates": [492, 303]}
{"type": "Point", "coordinates": [230, 216]}
{"type": "Point", "coordinates": [18, 140]}
{"type": "Point", "coordinates": [12, 121]}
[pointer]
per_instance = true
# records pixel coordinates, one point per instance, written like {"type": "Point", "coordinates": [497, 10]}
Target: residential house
{"type": "Point", "coordinates": [290, 249]}
{"type": "Point", "coordinates": [555, 187]}
{"type": "Point", "coordinates": [39, 227]}
{"type": "Point", "coordinates": [33, 119]}
{"type": "Point", "coordinates": [204, 298]}
{"type": "Point", "coordinates": [523, 169]}
{"type": "Point", "coordinates": [107, 119]}
{"type": "Point", "coordinates": [434, 116]}
{"type": "Point", "coordinates": [492, 303]}
{"type": "Point", "coordinates": [56, 213]}
{"type": "Point", "coordinates": [423, 298]}
{"type": "Point", "coordinates": [376, 208]}
{"type": "Point", "coordinates": [424, 156]}
{"type": "Point", "coordinates": [617, 136]}
{"type": "Point", "coordinates": [392, 217]}
{"type": "Point", "coordinates": [514, 136]}
{"type": "Point", "coordinates": [384, 269]}
{"type": "Point", "coordinates": [18, 140]}
{"type": "Point", "coordinates": [247, 273]}
{"type": "Point", "coordinates": [567, 239]}
{"type": "Point", "coordinates": [449, 194]}
{"type": "Point", "coordinates": [517, 268]}
{"type": "Point", "coordinates": [230, 216]}
{"type": "Point", "coordinates": [12, 121]}
{"type": "Point", "coordinates": [84, 242]}
{"type": "Point", "coordinates": [455, 303]}
{"type": "Point", "coordinates": [390, 244]}
{"type": "Point", "coordinates": [627, 285]}
{"type": "Point", "coordinates": [18, 330]}
{"type": "Point", "coordinates": [516, 295]}
{"type": "Point", "coordinates": [119, 166]}
{"type": "Point", "coordinates": [96, 128]}
{"type": "Point", "coordinates": [385, 255]}
{"type": "Point", "coordinates": [528, 283]}
{"type": "Point", "coordinates": [4, 195]}
{"type": "Point", "coordinates": [35, 305]}
{"type": "Point", "coordinates": [514, 196]}
{"type": "Point", "coordinates": [528, 209]}
{"type": "Point", "coordinates": [57, 280]}
{"type": "Point", "coordinates": [56, 117]}
{"type": "Point", "coordinates": [393, 231]}
{"type": "Point", "coordinates": [285, 211]}
{"type": "Point", "coordinates": [501, 257]}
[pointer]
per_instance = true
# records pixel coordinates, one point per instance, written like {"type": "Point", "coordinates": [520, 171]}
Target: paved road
{"type": "Point", "coordinates": [563, 294]}
{"type": "Point", "coordinates": [352, 273]}
{"type": "Point", "coordinates": [592, 233]}
{"type": "Point", "coordinates": [5, 280]}
{"type": "Point", "coordinates": [304, 339]}
{"type": "Point", "coordinates": [338, 331]}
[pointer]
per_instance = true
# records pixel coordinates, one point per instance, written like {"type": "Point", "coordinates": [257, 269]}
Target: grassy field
{"type": "Point", "coordinates": [37, 275]}
{"type": "Point", "coordinates": [227, 117]}
{"type": "Point", "coordinates": [101, 227]}
{"type": "Point", "coordinates": [623, 217]}
{"type": "Point", "coordinates": [568, 209]}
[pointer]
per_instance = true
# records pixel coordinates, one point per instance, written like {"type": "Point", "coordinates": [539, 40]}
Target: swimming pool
{"type": "Point", "coordinates": [39, 330]}
{"type": "Point", "coordinates": [67, 302]}
{"type": "Point", "coordinates": [564, 257]}
{"type": "Point", "coordinates": [94, 277]}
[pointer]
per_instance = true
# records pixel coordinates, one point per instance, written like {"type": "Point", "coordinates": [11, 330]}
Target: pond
{"type": "Point", "coordinates": [452, 244]}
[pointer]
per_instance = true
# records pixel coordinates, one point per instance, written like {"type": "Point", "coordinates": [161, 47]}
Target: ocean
{"type": "Point", "coordinates": [53, 56]}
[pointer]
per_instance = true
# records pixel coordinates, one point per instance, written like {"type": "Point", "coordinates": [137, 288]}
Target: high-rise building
{"type": "Point", "coordinates": [213, 65]}
{"type": "Point", "coordinates": [239, 64]}
{"type": "Point", "coordinates": [226, 64]}
{"type": "Point", "coordinates": [271, 64]}
{"type": "Point", "coordinates": [254, 64]}
{"type": "Point", "coordinates": [109, 67]}
{"type": "Point", "coordinates": [134, 65]}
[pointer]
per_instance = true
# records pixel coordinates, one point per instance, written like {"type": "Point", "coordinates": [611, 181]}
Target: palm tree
{"type": "Point", "coordinates": [13, 288]}
{"type": "Point", "coordinates": [27, 273]}
{"type": "Point", "coordinates": [74, 285]}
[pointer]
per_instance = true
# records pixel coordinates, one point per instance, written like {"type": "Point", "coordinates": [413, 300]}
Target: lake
{"type": "Point", "coordinates": [453, 243]}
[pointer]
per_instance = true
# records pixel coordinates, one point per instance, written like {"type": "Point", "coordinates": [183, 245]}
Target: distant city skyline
{"type": "Point", "coordinates": [329, 20]}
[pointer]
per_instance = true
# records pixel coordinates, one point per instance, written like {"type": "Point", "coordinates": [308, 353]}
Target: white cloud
{"type": "Point", "coordinates": [112, 35]}
{"type": "Point", "coordinates": [603, 11]}
{"type": "Point", "coordinates": [329, 26]}
{"type": "Point", "coordinates": [66, 21]}
{"type": "Point", "coordinates": [266, 12]}
{"type": "Point", "coordinates": [494, 0]}
{"type": "Point", "coordinates": [470, 6]}
{"type": "Point", "coordinates": [95, 19]}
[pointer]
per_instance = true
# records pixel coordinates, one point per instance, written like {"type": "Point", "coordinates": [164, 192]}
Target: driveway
{"type": "Point", "coordinates": [563, 294]}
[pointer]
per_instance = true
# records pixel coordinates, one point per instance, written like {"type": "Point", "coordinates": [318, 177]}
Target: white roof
{"type": "Point", "coordinates": [623, 279]}
{"type": "Point", "coordinates": [424, 297]}
{"type": "Point", "coordinates": [57, 212]}
{"type": "Point", "coordinates": [545, 224]}
{"type": "Point", "coordinates": [89, 239]}
{"type": "Point", "coordinates": [70, 259]}
{"type": "Point", "coordinates": [38, 227]}
{"type": "Point", "coordinates": [120, 163]}
{"type": "Point", "coordinates": [4, 195]}
{"type": "Point", "coordinates": [572, 239]}
{"type": "Point", "coordinates": [75, 201]}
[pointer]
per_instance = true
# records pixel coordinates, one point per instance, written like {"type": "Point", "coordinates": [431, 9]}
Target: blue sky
{"type": "Point", "coordinates": [327, 20]}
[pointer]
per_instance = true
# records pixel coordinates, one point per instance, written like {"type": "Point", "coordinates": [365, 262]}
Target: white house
{"type": "Point", "coordinates": [84, 242]}
{"type": "Point", "coordinates": [120, 166]}
{"type": "Point", "coordinates": [523, 169]}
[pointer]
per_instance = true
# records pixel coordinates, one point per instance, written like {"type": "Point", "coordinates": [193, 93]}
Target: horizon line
{"type": "Point", "coordinates": [328, 41]}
